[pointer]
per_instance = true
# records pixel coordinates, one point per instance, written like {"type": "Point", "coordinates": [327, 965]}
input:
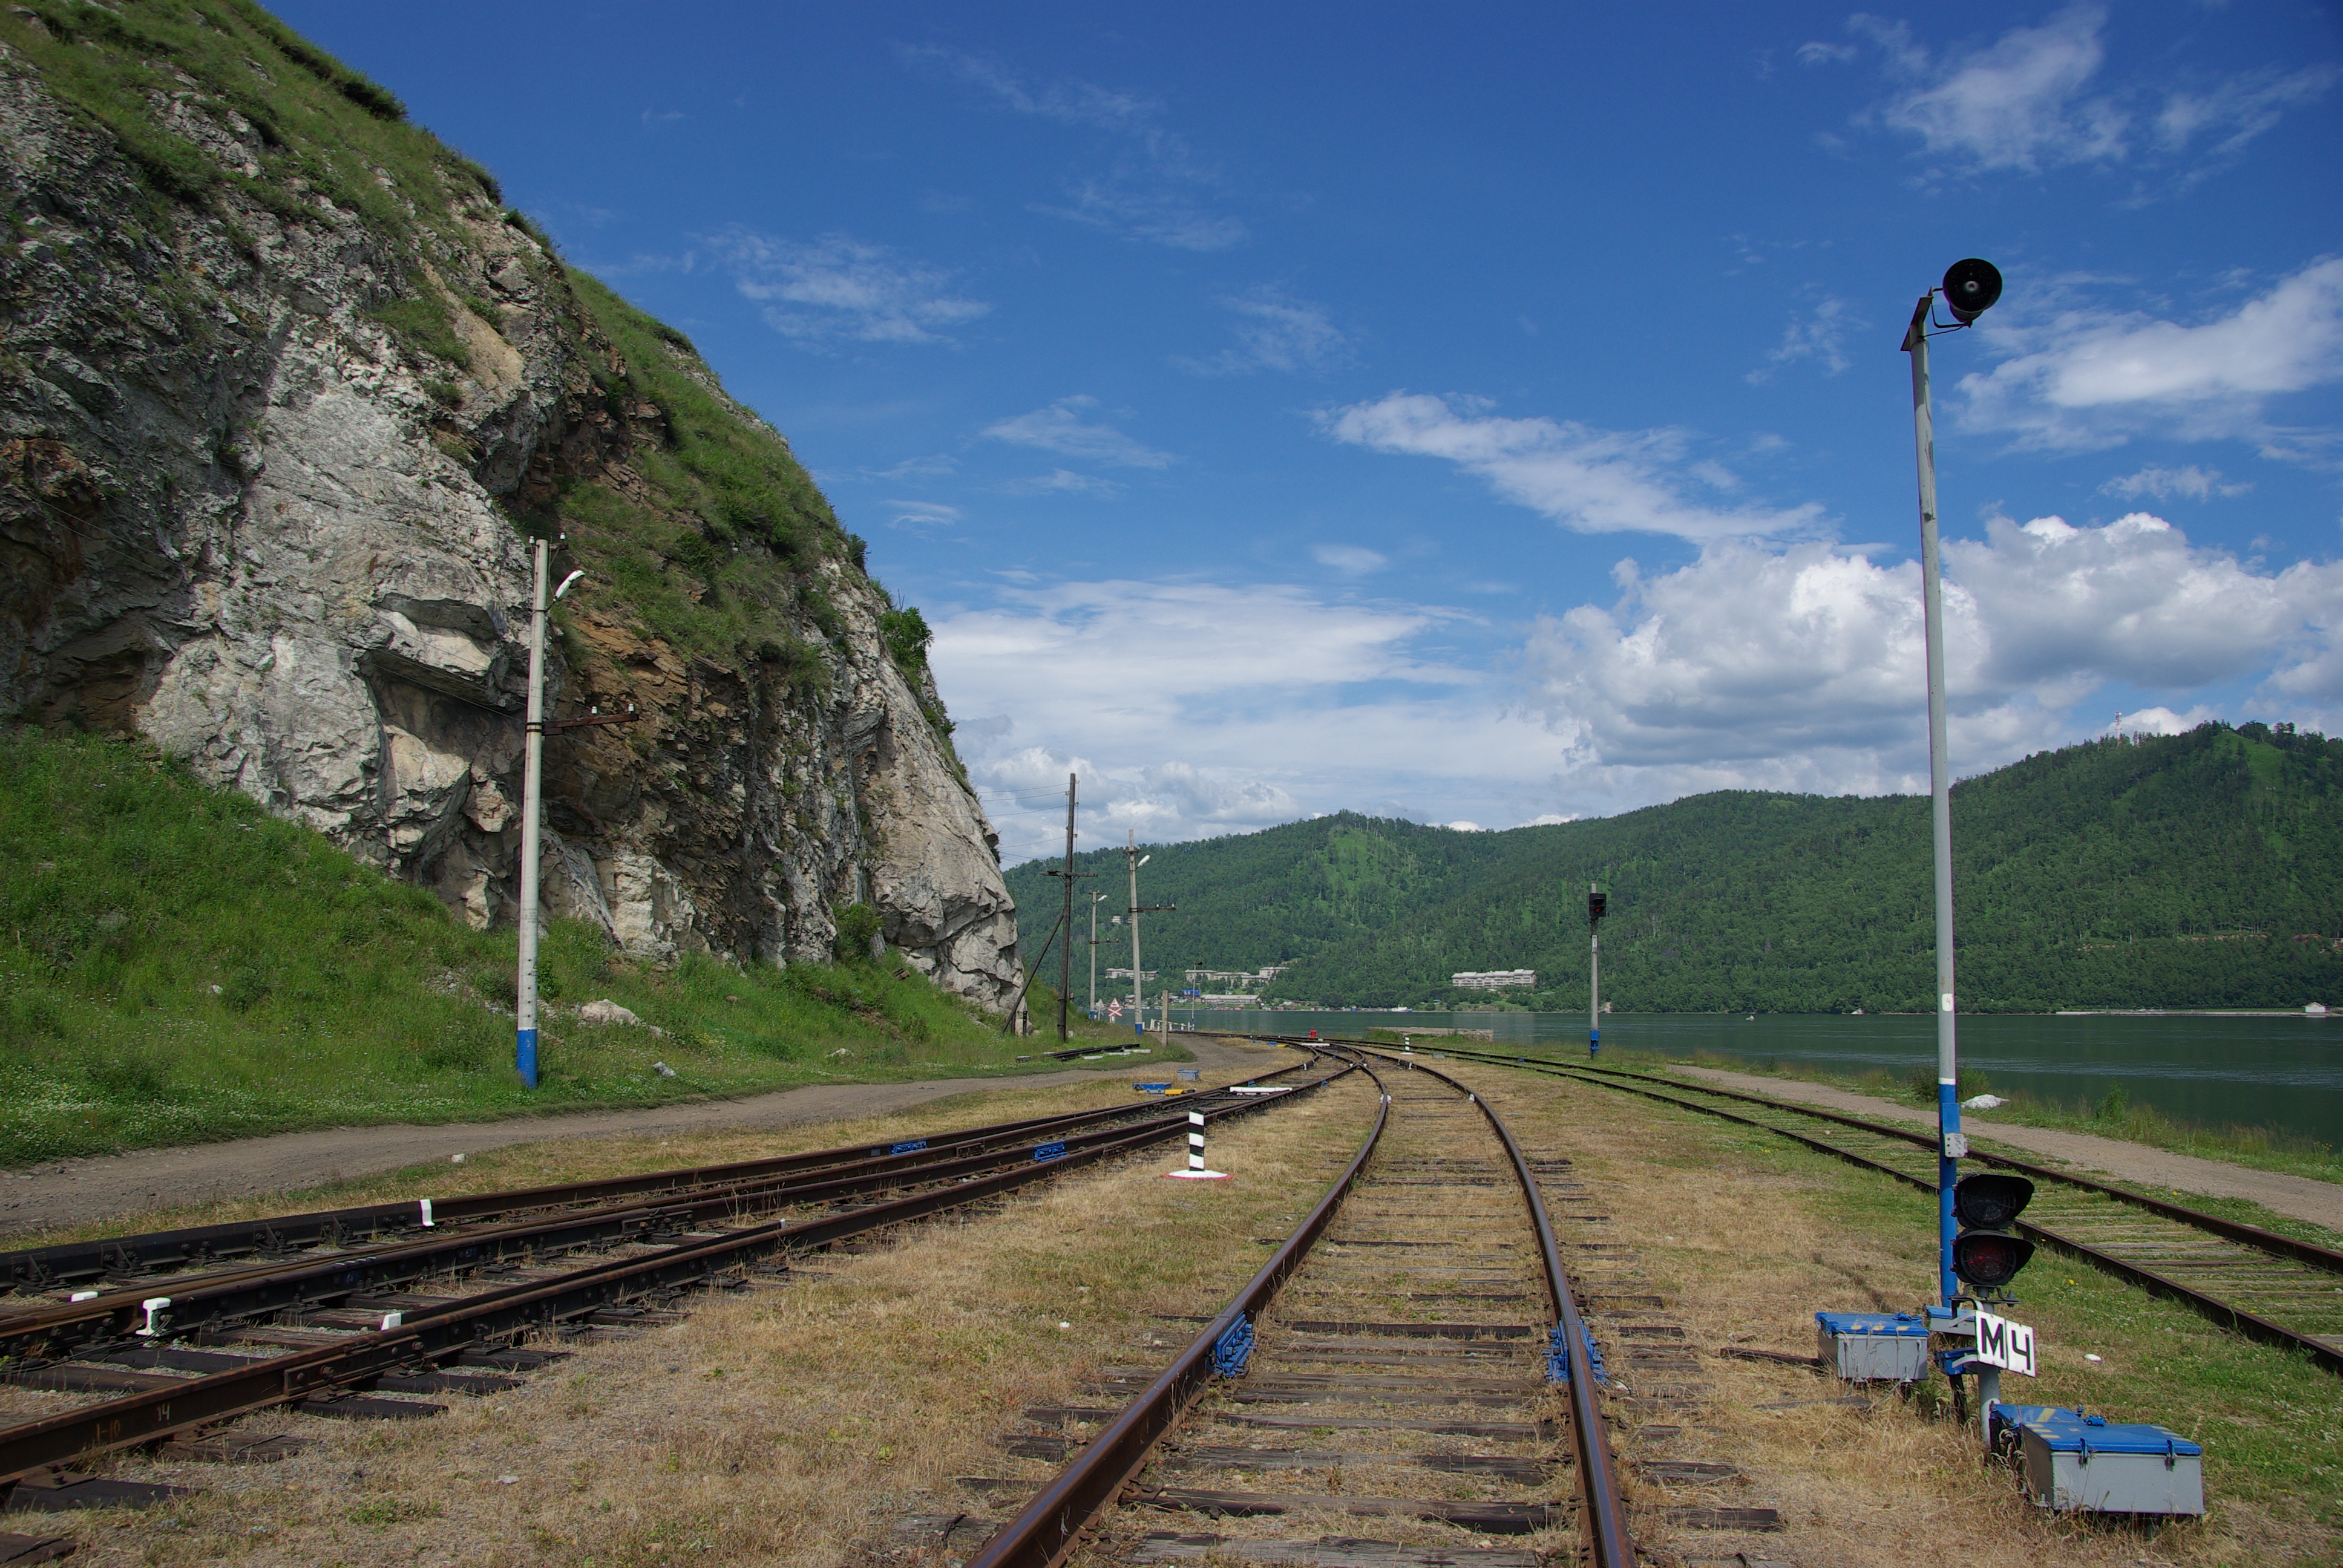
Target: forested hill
{"type": "Point", "coordinates": [2203, 869]}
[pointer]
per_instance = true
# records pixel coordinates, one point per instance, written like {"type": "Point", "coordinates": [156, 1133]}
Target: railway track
{"type": "Point", "coordinates": [361, 1322]}
{"type": "Point", "coordinates": [1410, 1360]}
{"type": "Point", "coordinates": [2279, 1290]}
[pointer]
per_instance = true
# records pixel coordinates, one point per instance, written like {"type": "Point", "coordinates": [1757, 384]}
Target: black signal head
{"type": "Point", "coordinates": [1594, 902]}
{"type": "Point", "coordinates": [1970, 288]}
{"type": "Point", "coordinates": [1989, 1259]}
{"type": "Point", "coordinates": [1991, 1200]}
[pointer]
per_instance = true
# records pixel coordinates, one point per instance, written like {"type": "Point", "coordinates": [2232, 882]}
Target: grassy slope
{"type": "Point", "coordinates": [129, 892]}
{"type": "Point", "coordinates": [2102, 875]}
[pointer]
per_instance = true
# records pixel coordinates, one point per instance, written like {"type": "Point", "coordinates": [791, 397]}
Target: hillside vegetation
{"type": "Point", "coordinates": [2203, 869]}
{"type": "Point", "coordinates": [176, 965]}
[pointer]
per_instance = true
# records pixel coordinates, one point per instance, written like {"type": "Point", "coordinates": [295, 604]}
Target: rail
{"type": "Point", "coordinates": [1045, 1532]}
{"type": "Point", "coordinates": [437, 1334]}
{"type": "Point", "coordinates": [2229, 1315]}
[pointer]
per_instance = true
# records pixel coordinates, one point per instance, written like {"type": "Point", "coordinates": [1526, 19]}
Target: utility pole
{"type": "Point", "coordinates": [1970, 288]}
{"type": "Point", "coordinates": [532, 811]}
{"type": "Point", "coordinates": [1096, 899]}
{"type": "Point", "coordinates": [1138, 986]}
{"type": "Point", "coordinates": [532, 804]}
{"type": "Point", "coordinates": [1066, 920]}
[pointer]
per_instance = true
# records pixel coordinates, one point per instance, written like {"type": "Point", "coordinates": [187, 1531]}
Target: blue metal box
{"type": "Point", "coordinates": [1873, 1347]}
{"type": "Point", "coordinates": [2078, 1460]}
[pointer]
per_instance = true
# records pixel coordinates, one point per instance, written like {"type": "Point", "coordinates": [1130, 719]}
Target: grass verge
{"type": "Point", "coordinates": [1748, 1235]}
{"type": "Point", "coordinates": [176, 966]}
{"type": "Point", "coordinates": [800, 1424]}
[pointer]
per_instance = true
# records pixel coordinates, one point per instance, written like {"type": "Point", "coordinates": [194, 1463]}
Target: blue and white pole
{"type": "Point", "coordinates": [532, 802]}
{"type": "Point", "coordinates": [1594, 995]}
{"type": "Point", "coordinates": [1951, 1144]}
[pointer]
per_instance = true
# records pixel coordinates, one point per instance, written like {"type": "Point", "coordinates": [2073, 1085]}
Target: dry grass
{"type": "Point", "coordinates": [792, 1426]}
{"type": "Point", "coordinates": [1746, 1237]}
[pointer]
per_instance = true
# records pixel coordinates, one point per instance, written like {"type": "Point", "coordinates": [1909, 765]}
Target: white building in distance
{"type": "Point", "coordinates": [1494, 979]}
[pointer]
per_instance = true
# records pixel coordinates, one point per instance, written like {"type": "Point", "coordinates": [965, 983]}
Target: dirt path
{"type": "Point", "coordinates": [76, 1191]}
{"type": "Point", "coordinates": [2321, 1203]}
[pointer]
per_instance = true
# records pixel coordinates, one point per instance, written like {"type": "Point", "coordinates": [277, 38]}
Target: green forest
{"type": "Point", "coordinates": [2196, 871]}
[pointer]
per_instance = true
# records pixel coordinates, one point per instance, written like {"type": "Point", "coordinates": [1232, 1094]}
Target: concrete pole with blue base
{"type": "Point", "coordinates": [532, 800]}
{"type": "Point", "coordinates": [1951, 1145]}
{"type": "Point", "coordinates": [1595, 901]}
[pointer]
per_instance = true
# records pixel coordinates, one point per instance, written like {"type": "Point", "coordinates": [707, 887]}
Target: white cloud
{"type": "Point", "coordinates": [1068, 102]}
{"type": "Point", "coordinates": [1061, 428]}
{"type": "Point", "coordinates": [1158, 215]}
{"type": "Point", "coordinates": [2089, 378]}
{"type": "Point", "coordinates": [2159, 720]}
{"type": "Point", "coordinates": [933, 466]}
{"type": "Point", "coordinates": [2197, 484]}
{"type": "Point", "coordinates": [1198, 708]}
{"type": "Point", "coordinates": [1593, 481]}
{"type": "Point", "coordinates": [1461, 826]}
{"type": "Point", "coordinates": [1351, 560]}
{"type": "Point", "coordinates": [2032, 101]}
{"type": "Point", "coordinates": [2016, 104]}
{"type": "Point", "coordinates": [1147, 194]}
{"type": "Point", "coordinates": [837, 289]}
{"type": "Point", "coordinates": [1819, 335]}
{"type": "Point", "coordinates": [1802, 669]}
{"type": "Point", "coordinates": [922, 515]}
{"type": "Point", "coordinates": [1063, 482]}
{"type": "Point", "coordinates": [1276, 332]}
{"type": "Point", "coordinates": [2232, 113]}
{"type": "Point", "coordinates": [1819, 54]}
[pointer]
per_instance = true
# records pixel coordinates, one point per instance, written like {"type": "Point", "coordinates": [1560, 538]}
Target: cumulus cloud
{"type": "Point", "coordinates": [1061, 428]}
{"type": "Point", "coordinates": [1201, 707]}
{"type": "Point", "coordinates": [2160, 484]}
{"type": "Point", "coordinates": [837, 289]}
{"type": "Point", "coordinates": [1276, 332]}
{"type": "Point", "coordinates": [1588, 479]}
{"type": "Point", "coordinates": [2087, 377]}
{"type": "Point", "coordinates": [1802, 669]}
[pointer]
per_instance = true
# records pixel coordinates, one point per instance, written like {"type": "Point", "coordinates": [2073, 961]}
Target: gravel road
{"type": "Point", "coordinates": [77, 1191]}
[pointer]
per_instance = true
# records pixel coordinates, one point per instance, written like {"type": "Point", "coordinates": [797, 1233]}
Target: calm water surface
{"type": "Point", "coordinates": [2281, 1072]}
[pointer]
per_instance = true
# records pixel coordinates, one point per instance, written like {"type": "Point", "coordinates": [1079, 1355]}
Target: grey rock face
{"type": "Point", "coordinates": [235, 517]}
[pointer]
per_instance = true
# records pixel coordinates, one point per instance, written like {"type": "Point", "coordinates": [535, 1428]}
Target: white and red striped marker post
{"type": "Point", "coordinates": [1195, 1171]}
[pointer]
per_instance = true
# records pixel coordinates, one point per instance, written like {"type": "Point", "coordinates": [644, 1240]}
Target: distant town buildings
{"type": "Point", "coordinates": [1225, 1003]}
{"type": "Point", "coordinates": [1493, 979]}
{"type": "Point", "coordinates": [1124, 973]}
{"type": "Point", "coordinates": [1233, 978]}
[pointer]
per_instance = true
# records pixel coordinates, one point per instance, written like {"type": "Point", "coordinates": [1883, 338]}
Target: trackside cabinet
{"type": "Point", "coordinates": [2075, 1461]}
{"type": "Point", "coordinates": [1873, 1347]}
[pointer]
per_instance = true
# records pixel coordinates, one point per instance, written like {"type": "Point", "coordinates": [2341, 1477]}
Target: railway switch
{"type": "Point", "coordinates": [1987, 1253]}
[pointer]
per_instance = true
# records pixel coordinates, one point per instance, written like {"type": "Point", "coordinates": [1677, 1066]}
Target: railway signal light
{"type": "Point", "coordinates": [1987, 1253]}
{"type": "Point", "coordinates": [1595, 901]}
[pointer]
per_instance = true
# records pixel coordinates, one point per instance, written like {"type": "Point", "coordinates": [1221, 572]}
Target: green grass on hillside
{"type": "Point", "coordinates": [177, 966]}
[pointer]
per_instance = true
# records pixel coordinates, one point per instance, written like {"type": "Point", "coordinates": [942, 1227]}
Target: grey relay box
{"type": "Point", "coordinates": [1873, 1347]}
{"type": "Point", "coordinates": [2078, 1460]}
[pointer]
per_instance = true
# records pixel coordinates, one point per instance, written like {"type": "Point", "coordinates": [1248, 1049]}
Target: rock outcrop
{"type": "Point", "coordinates": [270, 452]}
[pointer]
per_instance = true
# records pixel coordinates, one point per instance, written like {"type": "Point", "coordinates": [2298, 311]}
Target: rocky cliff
{"type": "Point", "coordinates": [285, 392]}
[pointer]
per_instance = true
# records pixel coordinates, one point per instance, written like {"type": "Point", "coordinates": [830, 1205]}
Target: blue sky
{"type": "Point", "coordinates": [1486, 414]}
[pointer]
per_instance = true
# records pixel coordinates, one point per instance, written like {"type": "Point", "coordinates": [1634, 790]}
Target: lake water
{"type": "Point", "coordinates": [2277, 1072]}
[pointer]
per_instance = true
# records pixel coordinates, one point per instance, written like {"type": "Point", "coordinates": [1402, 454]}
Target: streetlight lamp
{"type": "Point", "coordinates": [1970, 288]}
{"type": "Point", "coordinates": [532, 802]}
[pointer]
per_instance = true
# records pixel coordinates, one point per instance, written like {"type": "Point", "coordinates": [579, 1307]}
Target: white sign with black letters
{"type": "Point", "coordinates": [2005, 1345]}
